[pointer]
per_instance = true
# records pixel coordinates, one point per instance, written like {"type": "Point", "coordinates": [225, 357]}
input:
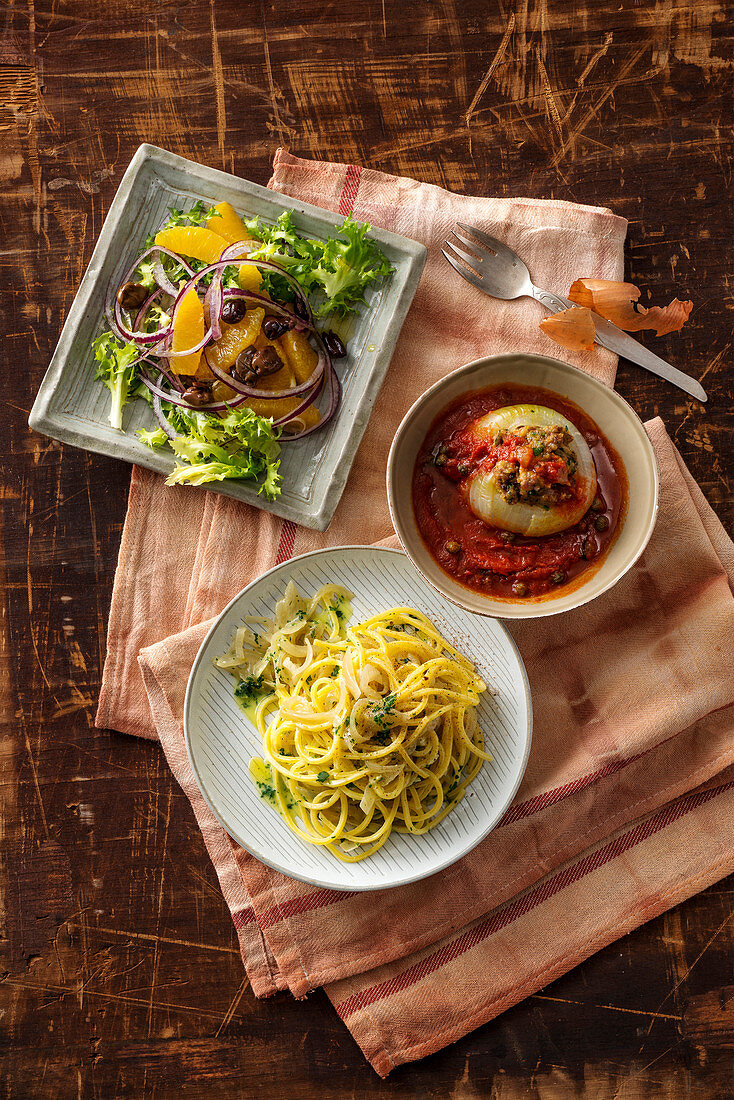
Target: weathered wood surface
{"type": "Point", "coordinates": [119, 974]}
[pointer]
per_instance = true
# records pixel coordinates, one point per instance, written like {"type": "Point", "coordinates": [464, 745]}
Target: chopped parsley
{"type": "Point", "coordinates": [380, 710]}
{"type": "Point", "coordinates": [322, 777]}
{"type": "Point", "coordinates": [249, 688]}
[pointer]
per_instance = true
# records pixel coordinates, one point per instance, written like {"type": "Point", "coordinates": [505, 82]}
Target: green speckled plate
{"type": "Point", "coordinates": [73, 408]}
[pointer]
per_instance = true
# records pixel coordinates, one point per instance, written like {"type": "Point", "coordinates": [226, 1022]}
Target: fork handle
{"type": "Point", "coordinates": [554, 302]}
{"type": "Point", "coordinates": [615, 339]}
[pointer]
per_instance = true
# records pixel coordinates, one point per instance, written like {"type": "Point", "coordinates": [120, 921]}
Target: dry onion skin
{"type": "Point", "coordinates": [571, 328]}
{"type": "Point", "coordinates": [616, 302]}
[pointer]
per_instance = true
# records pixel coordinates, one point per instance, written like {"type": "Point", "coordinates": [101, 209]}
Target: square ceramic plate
{"type": "Point", "coordinates": [73, 408]}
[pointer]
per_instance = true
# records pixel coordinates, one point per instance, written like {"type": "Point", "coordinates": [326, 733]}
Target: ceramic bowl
{"type": "Point", "coordinates": [616, 419]}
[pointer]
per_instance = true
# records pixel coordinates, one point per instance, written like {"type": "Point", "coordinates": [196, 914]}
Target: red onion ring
{"type": "Point", "coordinates": [334, 395]}
{"type": "Point", "coordinates": [137, 337]}
{"type": "Point", "coordinates": [162, 279]}
{"type": "Point", "coordinates": [112, 306]}
{"type": "Point", "coordinates": [216, 406]}
{"type": "Point", "coordinates": [216, 302]}
{"type": "Point", "coordinates": [274, 395]}
{"type": "Point", "coordinates": [307, 401]}
{"type": "Point", "coordinates": [162, 418]}
{"type": "Point", "coordinates": [140, 316]}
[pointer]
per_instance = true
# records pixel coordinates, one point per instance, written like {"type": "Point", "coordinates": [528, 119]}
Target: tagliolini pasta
{"type": "Point", "coordinates": [367, 728]}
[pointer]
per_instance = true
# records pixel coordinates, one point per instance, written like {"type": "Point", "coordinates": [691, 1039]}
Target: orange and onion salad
{"type": "Point", "coordinates": [172, 343]}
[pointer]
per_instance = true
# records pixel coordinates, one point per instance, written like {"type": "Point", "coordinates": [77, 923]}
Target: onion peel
{"type": "Point", "coordinates": [571, 328]}
{"type": "Point", "coordinates": [617, 302]}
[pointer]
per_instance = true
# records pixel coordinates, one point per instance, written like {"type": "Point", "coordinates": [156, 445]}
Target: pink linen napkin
{"type": "Point", "coordinates": [623, 809]}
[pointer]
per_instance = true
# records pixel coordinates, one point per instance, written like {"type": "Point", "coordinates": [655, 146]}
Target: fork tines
{"type": "Point", "coordinates": [463, 268]}
{"type": "Point", "coordinates": [469, 258]}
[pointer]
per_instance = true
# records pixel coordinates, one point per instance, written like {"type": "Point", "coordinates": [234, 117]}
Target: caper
{"type": "Point", "coordinates": [519, 589]}
{"type": "Point", "coordinates": [589, 548]}
{"type": "Point", "coordinates": [597, 504]}
{"type": "Point", "coordinates": [507, 536]}
{"type": "Point", "coordinates": [558, 577]}
{"type": "Point", "coordinates": [453, 547]}
{"type": "Point", "coordinates": [438, 455]}
{"type": "Point", "coordinates": [462, 467]}
{"type": "Point", "coordinates": [601, 523]}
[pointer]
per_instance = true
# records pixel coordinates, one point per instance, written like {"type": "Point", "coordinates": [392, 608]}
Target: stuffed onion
{"type": "Point", "coordinates": [537, 476]}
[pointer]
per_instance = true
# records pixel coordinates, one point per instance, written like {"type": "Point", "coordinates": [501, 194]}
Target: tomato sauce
{"type": "Point", "coordinates": [492, 561]}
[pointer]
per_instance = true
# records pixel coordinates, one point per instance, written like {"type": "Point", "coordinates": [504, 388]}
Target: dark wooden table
{"type": "Point", "coordinates": [119, 971]}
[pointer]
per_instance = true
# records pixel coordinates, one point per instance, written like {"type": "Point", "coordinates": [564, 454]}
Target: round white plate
{"type": "Point", "coordinates": [221, 740]}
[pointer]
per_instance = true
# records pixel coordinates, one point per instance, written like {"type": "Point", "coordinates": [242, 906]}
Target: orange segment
{"type": "Point", "coordinates": [300, 354]}
{"type": "Point", "coordinates": [188, 330]}
{"type": "Point", "coordinates": [194, 241]}
{"type": "Point", "coordinates": [228, 224]}
{"type": "Point", "coordinates": [250, 277]}
{"type": "Point", "coordinates": [275, 409]}
{"type": "Point", "coordinates": [263, 406]}
{"type": "Point", "coordinates": [234, 339]}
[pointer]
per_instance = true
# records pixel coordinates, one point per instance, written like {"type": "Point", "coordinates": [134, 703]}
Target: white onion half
{"type": "Point", "coordinates": [487, 502]}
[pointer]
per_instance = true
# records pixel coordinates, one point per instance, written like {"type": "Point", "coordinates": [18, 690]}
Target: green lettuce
{"type": "Point", "coordinates": [209, 448]}
{"type": "Point", "coordinates": [339, 270]}
{"type": "Point", "coordinates": [117, 369]}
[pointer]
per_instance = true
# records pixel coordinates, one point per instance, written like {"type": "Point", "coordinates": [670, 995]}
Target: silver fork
{"type": "Point", "coordinates": [494, 268]}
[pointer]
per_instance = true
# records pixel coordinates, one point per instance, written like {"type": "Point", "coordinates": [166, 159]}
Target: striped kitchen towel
{"type": "Point", "coordinates": [626, 804]}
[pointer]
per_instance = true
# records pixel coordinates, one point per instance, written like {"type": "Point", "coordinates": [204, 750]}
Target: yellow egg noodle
{"type": "Point", "coordinates": [366, 728]}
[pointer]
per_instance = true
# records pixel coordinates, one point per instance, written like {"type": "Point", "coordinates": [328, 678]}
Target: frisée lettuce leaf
{"type": "Point", "coordinates": [339, 269]}
{"type": "Point", "coordinates": [116, 368]}
{"type": "Point", "coordinates": [240, 444]}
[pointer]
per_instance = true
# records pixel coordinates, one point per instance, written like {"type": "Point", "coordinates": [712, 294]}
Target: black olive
{"type": "Point", "coordinates": [453, 547]}
{"type": "Point", "coordinates": [132, 295]}
{"type": "Point", "coordinates": [301, 309]}
{"type": "Point", "coordinates": [234, 311]}
{"type": "Point", "coordinates": [558, 577]}
{"type": "Point", "coordinates": [197, 395]}
{"type": "Point", "coordinates": [252, 364]}
{"type": "Point", "coordinates": [601, 523]}
{"type": "Point", "coordinates": [273, 327]}
{"type": "Point", "coordinates": [519, 589]}
{"type": "Point", "coordinates": [334, 345]}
